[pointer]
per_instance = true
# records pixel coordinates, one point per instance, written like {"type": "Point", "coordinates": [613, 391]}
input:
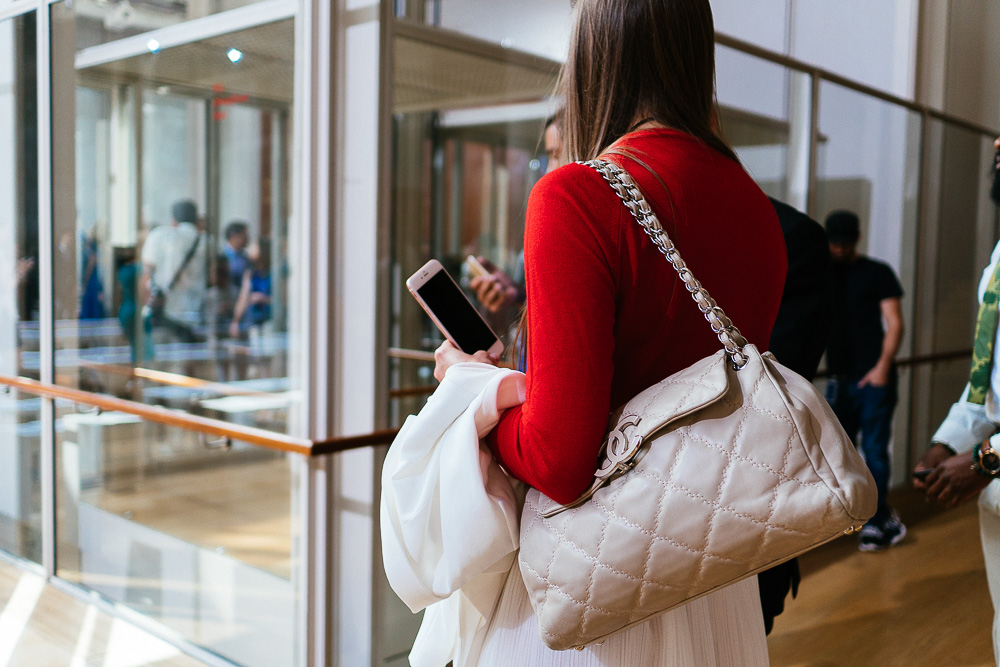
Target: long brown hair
{"type": "Point", "coordinates": [638, 58]}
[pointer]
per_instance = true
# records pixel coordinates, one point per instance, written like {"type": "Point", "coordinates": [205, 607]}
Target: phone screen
{"type": "Point", "coordinates": [457, 315]}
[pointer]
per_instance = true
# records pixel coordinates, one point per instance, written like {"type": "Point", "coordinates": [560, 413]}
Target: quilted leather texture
{"type": "Point", "coordinates": [738, 471]}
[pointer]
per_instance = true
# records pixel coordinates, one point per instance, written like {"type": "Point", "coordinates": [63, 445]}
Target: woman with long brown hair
{"type": "Point", "coordinates": [606, 314]}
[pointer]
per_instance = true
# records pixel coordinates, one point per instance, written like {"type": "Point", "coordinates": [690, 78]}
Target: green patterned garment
{"type": "Point", "coordinates": [986, 336]}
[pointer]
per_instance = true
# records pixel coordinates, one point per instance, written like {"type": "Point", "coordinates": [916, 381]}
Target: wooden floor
{"type": "Point", "coordinates": [40, 626]}
{"type": "Point", "coordinates": [923, 602]}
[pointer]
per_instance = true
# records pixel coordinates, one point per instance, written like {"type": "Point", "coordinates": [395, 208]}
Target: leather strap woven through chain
{"type": "Point", "coordinates": [626, 189]}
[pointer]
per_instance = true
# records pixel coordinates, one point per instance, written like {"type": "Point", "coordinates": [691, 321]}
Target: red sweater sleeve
{"type": "Point", "coordinates": [571, 263]}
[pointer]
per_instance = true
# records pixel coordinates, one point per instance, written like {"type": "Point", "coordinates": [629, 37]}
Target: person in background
{"type": "Point", "coordinates": [962, 458]}
{"type": "Point", "coordinates": [607, 316]}
{"type": "Point", "coordinates": [798, 340]}
{"type": "Point", "coordinates": [866, 334]}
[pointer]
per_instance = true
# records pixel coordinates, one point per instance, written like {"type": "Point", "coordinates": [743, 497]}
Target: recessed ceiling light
{"type": "Point", "coordinates": [235, 55]}
{"type": "Point", "coordinates": [153, 46]}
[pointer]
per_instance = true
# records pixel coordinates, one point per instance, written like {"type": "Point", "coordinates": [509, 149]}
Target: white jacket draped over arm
{"type": "Point", "coordinates": [450, 515]}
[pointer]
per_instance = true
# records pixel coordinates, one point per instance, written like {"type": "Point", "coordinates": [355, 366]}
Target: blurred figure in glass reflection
{"type": "Point", "coordinates": [500, 290]}
{"type": "Point", "coordinates": [866, 333]}
{"type": "Point", "coordinates": [92, 302]}
{"type": "Point", "coordinates": [128, 274]}
{"type": "Point", "coordinates": [253, 306]}
{"type": "Point", "coordinates": [218, 313]}
{"type": "Point", "coordinates": [174, 260]}
{"type": "Point", "coordinates": [237, 235]}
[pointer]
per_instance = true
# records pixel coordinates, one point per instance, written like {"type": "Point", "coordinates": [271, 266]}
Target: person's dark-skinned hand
{"type": "Point", "coordinates": [953, 480]}
{"type": "Point", "coordinates": [934, 455]}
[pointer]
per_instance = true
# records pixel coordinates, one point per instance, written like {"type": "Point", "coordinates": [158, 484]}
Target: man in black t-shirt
{"type": "Point", "coordinates": [864, 338]}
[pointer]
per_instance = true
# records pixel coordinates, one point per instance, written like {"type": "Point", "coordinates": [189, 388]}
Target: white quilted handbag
{"type": "Point", "coordinates": [722, 470]}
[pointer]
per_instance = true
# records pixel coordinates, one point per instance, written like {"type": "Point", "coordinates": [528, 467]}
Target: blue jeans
{"type": "Point", "coordinates": [867, 411]}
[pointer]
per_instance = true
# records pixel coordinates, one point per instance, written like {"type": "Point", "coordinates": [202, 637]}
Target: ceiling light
{"type": "Point", "coordinates": [235, 55]}
{"type": "Point", "coordinates": [153, 46]}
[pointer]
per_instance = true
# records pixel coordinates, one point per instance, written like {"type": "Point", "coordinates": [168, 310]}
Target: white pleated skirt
{"type": "Point", "coordinates": [720, 629]}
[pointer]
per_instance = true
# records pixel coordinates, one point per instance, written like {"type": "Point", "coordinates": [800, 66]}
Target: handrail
{"type": "Point", "coordinates": [414, 355]}
{"type": "Point", "coordinates": [915, 360]}
{"type": "Point", "coordinates": [934, 358]}
{"type": "Point", "coordinates": [801, 66]}
{"type": "Point", "coordinates": [216, 427]}
{"type": "Point", "coordinates": [278, 441]}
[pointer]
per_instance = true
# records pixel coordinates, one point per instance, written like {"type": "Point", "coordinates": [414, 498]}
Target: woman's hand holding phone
{"type": "Point", "coordinates": [455, 316]}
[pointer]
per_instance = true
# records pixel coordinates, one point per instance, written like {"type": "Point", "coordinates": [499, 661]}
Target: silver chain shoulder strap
{"type": "Point", "coordinates": [631, 196]}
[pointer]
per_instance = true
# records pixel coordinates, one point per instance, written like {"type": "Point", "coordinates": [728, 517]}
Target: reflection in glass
{"type": "Point", "coordinates": [172, 229]}
{"type": "Point", "coordinates": [102, 21]}
{"type": "Point", "coordinates": [546, 34]}
{"type": "Point", "coordinates": [477, 174]}
{"type": "Point", "coordinates": [20, 425]}
{"type": "Point", "coordinates": [204, 550]}
{"type": "Point", "coordinates": [467, 150]}
{"type": "Point", "coordinates": [765, 116]}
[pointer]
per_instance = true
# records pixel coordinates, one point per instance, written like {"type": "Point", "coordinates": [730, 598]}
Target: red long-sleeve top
{"type": "Point", "coordinates": [607, 315]}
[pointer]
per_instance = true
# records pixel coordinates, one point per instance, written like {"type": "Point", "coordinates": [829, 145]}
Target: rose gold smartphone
{"type": "Point", "coordinates": [451, 310]}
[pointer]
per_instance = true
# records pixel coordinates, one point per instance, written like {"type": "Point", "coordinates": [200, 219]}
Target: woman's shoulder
{"type": "Point", "coordinates": [576, 190]}
{"type": "Point", "coordinates": [574, 179]}
{"type": "Point", "coordinates": [573, 198]}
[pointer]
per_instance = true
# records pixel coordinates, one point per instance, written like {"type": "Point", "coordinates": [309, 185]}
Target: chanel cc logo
{"type": "Point", "coordinates": [619, 446]}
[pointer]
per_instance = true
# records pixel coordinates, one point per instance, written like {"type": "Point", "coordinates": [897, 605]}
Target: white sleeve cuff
{"type": "Point", "coordinates": [965, 426]}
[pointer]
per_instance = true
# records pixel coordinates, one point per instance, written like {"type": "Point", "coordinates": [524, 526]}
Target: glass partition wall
{"type": "Point", "coordinates": [869, 162]}
{"type": "Point", "coordinates": [170, 225]}
{"type": "Point", "coordinates": [465, 158]}
{"type": "Point", "coordinates": [20, 415]}
{"type": "Point", "coordinates": [171, 220]}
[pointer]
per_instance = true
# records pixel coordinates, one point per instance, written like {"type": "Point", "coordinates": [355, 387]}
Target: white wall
{"type": "Point", "coordinates": [760, 22]}
{"type": "Point", "coordinates": [870, 42]}
{"type": "Point", "coordinates": [867, 144]}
